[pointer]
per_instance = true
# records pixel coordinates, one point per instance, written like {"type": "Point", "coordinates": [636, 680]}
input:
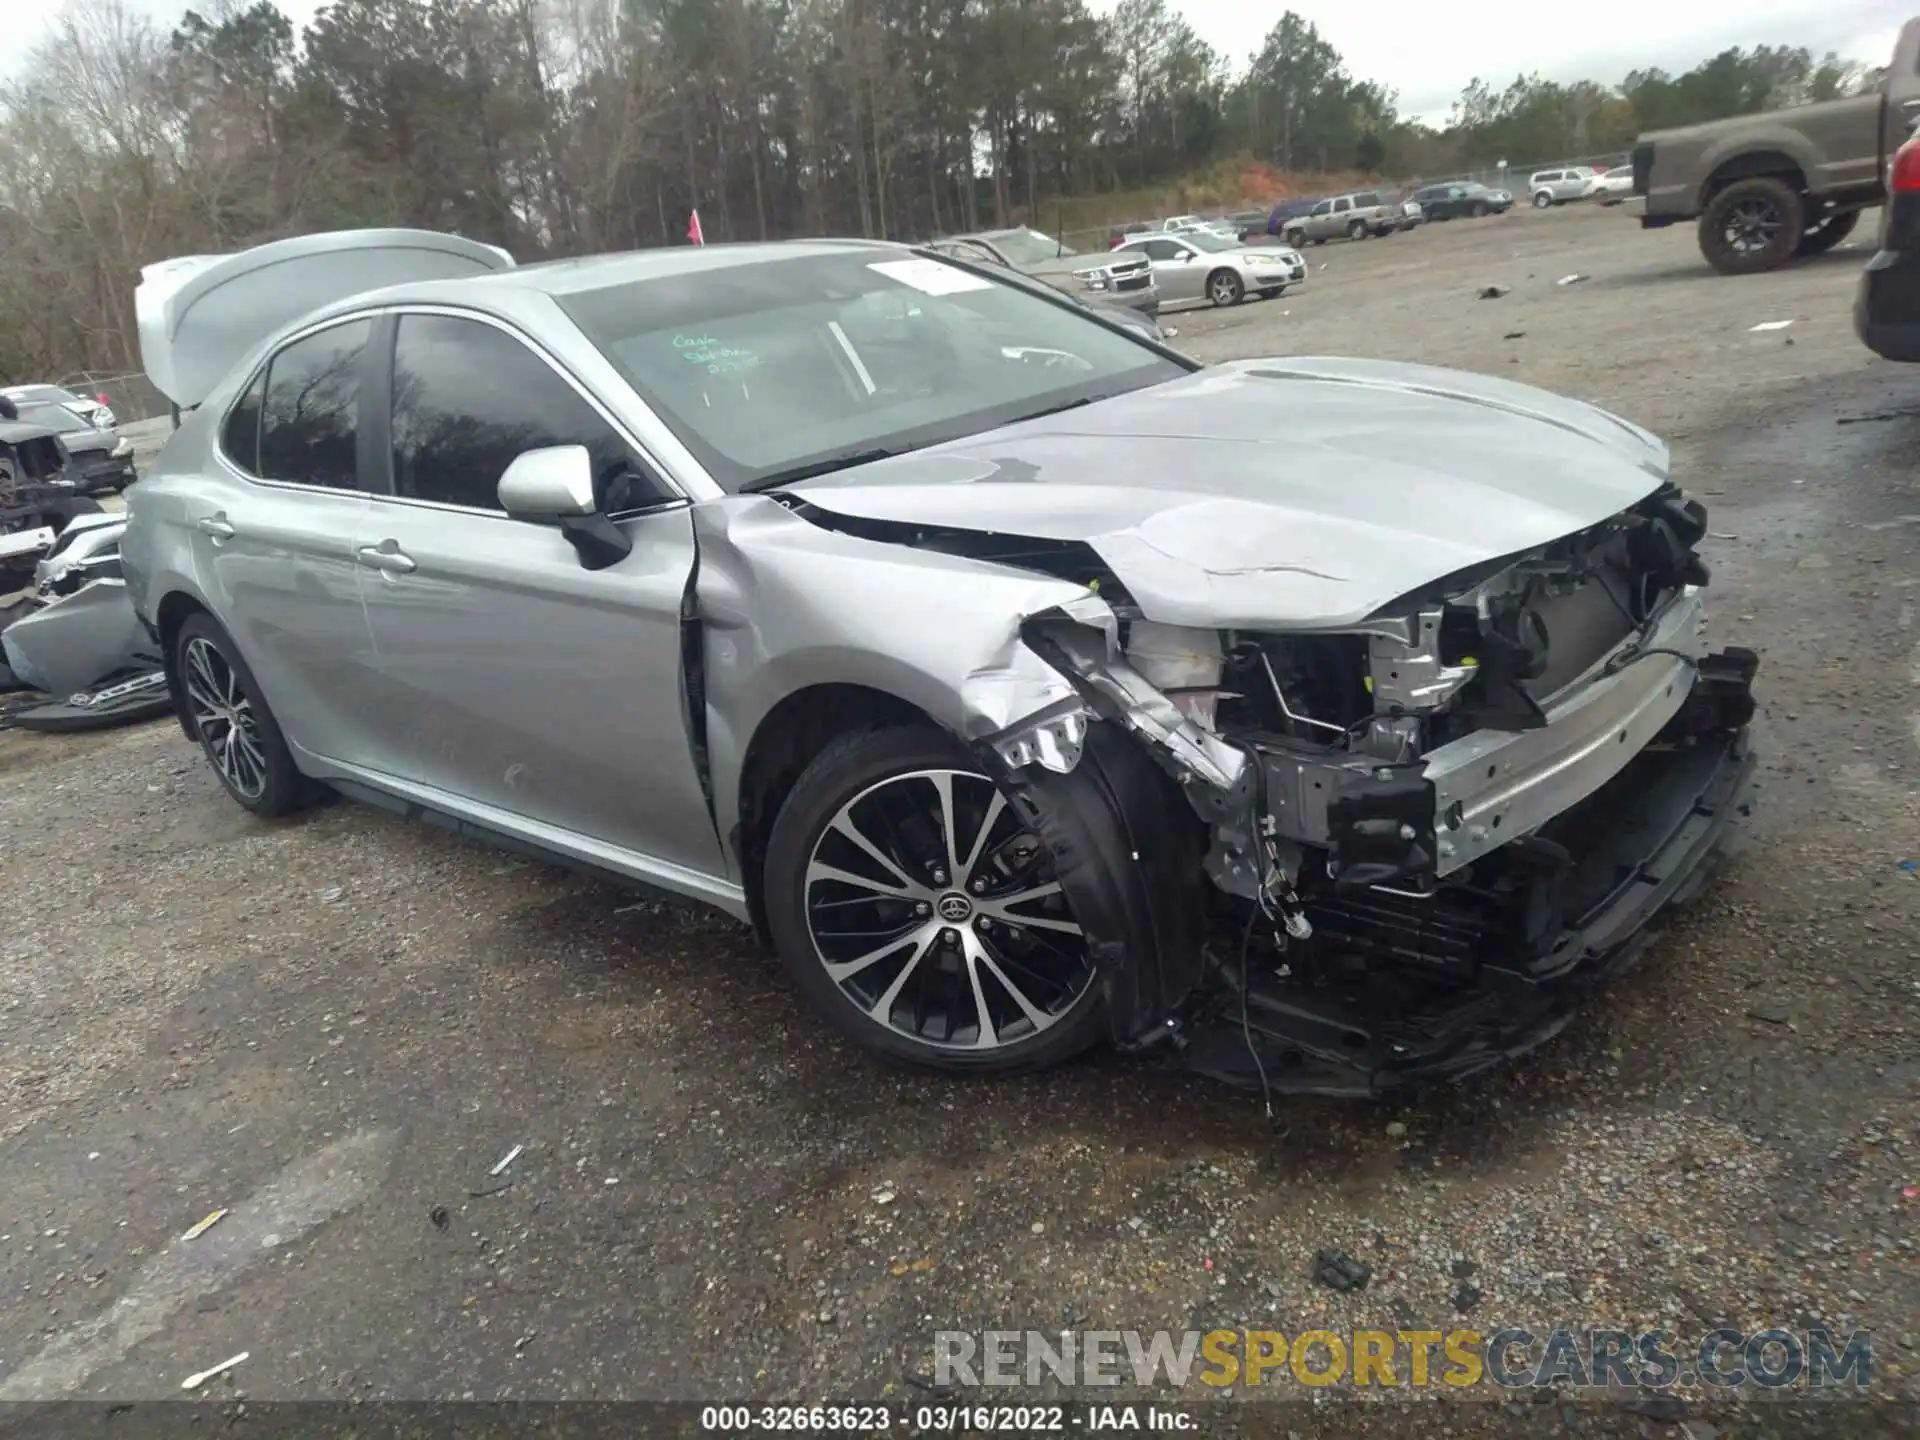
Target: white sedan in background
{"type": "Point", "coordinates": [1614, 185]}
{"type": "Point", "coordinates": [1199, 265]}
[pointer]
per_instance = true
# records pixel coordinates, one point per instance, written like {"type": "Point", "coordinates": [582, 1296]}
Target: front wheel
{"type": "Point", "coordinates": [1296, 238]}
{"type": "Point", "coordinates": [1357, 230]}
{"type": "Point", "coordinates": [1479, 211]}
{"type": "Point", "coordinates": [919, 914]}
{"type": "Point", "coordinates": [231, 720]}
{"type": "Point", "coordinates": [1752, 225]}
{"type": "Point", "coordinates": [1225, 288]}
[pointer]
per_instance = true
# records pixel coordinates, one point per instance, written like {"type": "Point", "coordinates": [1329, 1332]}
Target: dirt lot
{"type": "Point", "coordinates": [336, 1026]}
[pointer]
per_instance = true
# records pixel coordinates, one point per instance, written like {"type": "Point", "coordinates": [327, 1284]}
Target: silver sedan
{"type": "Point", "coordinates": [991, 661]}
{"type": "Point", "coordinates": [1198, 265]}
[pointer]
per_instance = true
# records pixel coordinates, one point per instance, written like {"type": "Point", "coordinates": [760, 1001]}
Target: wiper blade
{"type": "Point", "coordinates": [826, 466]}
{"type": "Point", "coordinates": [1053, 410]}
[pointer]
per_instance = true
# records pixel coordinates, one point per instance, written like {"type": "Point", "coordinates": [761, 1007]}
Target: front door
{"type": "Point", "coordinates": [272, 530]}
{"type": "Point", "coordinates": [1174, 271]}
{"type": "Point", "coordinates": [519, 680]}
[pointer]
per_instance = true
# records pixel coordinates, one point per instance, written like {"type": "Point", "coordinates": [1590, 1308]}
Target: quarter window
{"type": "Point", "coordinates": [310, 421]}
{"type": "Point", "coordinates": [468, 398]}
{"type": "Point", "coordinates": [240, 436]}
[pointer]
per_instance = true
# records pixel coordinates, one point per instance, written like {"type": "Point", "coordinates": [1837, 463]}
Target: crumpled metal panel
{"type": "Point", "coordinates": [67, 645]}
{"type": "Point", "coordinates": [786, 604]}
{"type": "Point", "coordinates": [1291, 494]}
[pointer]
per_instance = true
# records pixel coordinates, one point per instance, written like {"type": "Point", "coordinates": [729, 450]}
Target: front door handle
{"type": "Point", "coordinates": [387, 556]}
{"type": "Point", "coordinates": [217, 526]}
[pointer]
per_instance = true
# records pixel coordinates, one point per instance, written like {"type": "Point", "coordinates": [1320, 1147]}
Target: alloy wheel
{"type": "Point", "coordinates": [1753, 225]}
{"type": "Point", "coordinates": [935, 911]}
{"type": "Point", "coordinates": [223, 718]}
{"type": "Point", "coordinates": [1222, 290]}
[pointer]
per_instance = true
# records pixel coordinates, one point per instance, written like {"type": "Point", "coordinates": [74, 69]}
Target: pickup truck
{"type": "Point", "coordinates": [1356, 216]}
{"type": "Point", "coordinates": [1772, 187]}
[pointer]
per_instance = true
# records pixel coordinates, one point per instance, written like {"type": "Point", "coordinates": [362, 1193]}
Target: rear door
{"type": "Point", "coordinates": [272, 532]}
{"type": "Point", "coordinates": [512, 677]}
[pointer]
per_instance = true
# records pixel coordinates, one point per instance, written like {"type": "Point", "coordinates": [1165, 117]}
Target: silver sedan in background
{"type": "Point", "coordinates": [1199, 265]}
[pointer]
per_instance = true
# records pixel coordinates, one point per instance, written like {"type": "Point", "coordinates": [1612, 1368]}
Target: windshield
{"type": "Point", "coordinates": [769, 368]}
{"type": "Point", "coordinates": [1029, 247]}
{"type": "Point", "coordinates": [53, 417]}
{"type": "Point", "coordinates": [1210, 241]}
{"type": "Point", "coordinates": [52, 394]}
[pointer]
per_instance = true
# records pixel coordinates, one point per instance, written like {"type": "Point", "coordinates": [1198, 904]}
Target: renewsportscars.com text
{"type": "Point", "coordinates": [1458, 1359]}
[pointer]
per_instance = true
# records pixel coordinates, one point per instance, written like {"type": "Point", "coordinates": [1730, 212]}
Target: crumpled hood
{"type": "Point", "coordinates": [1298, 493]}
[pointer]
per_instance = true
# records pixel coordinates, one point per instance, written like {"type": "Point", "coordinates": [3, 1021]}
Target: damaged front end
{"type": "Point", "coordinates": [1422, 837]}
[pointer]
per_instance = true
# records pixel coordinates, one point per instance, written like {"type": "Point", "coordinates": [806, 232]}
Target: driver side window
{"type": "Point", "coordinates": [1165, 250]}
{"type": "Point", "coordinates": [468, 398]}
{"type": "Point", "coordinates": [1325, 207]}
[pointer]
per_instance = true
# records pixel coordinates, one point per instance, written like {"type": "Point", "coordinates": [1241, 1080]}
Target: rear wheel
{"type": "Point", "coordinates": [1828, 233]}
{"type": "Point", "coordinates": [1542, 200]}
{"type": "Point", "coordinates": [231, 720]}
{"type": "Point", "coordinates": [1225, 288]}
{"type": "Point", "coordinates": [1479, 211]}
{"type": "Point", "coordinates": [1357, 230]}
{"type": "Point", "coordinates": [1296, 238]}
{"type": "Point", "coordinates": [917, 911]}
{"type": "Point", "coordinates": [1752, 225]}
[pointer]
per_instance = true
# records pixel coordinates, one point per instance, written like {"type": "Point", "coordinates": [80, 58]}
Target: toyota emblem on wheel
{"type": "Point", "coordinates": [955, 907]}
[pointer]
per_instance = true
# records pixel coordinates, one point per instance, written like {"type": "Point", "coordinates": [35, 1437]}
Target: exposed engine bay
{"type": "Point", "coordinates": [1424, 832]}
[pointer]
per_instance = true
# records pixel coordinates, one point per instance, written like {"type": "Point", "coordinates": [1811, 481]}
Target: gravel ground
{"type": "Point", "coordinates": [337, 1025]}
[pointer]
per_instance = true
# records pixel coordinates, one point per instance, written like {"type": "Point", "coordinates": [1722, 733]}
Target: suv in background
{"type": "Point", "coordinates": [1558, 187]}
{"type": "Point", "coordinates": [1356, 216]}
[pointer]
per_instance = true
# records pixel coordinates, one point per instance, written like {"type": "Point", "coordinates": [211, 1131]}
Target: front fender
{"type": "Point", "coordinates": [786, 604]}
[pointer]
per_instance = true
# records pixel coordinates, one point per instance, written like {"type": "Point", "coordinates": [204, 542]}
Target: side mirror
{"type": "Point", "coordinates": [555, 485]}
{"type": "Point", "coordinates": [548, 484]}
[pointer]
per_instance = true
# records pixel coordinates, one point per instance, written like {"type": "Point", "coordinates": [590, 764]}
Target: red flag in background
{"type": "Point", "coordinates": [693, 229]}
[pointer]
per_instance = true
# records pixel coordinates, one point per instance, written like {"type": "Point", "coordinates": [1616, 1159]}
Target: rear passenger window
{"type": "Point", "coordinates": [240, 436]}
{"type": "Point", "coordinates": [468, 398]}
{"type": "Point", "coordinates": [310, 421]}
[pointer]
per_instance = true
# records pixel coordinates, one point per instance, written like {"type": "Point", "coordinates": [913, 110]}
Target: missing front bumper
{"type": "Point", "coordinates": [1653, 847]}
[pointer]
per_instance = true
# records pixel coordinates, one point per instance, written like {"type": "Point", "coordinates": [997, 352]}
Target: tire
{"type": "Point", "coordinates": [260, 776]}
{"type": "Point", "coordinates": [1543, 201]}
{"type": "Point", "coordinates": [1224, 288]}
{"type": "Point", "coordinates": [1827, 234]}
{"type": "Point", "coordinates": [1319, 239]}
{"type": "Point", "coordinates": [925, 981]}
{"type": "Point", "coordinates": [1357, 230]}
{"type": "Point", "coordinates": [1479, 211]}
{"type": "Point", "coordinates": [1296, 238]}
{"type": "Point", "coordinates": [1752, 225]}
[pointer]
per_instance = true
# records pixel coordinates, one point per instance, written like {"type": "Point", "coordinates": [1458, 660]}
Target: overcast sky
{"type": "Point", "coordinates": [1425, 50]}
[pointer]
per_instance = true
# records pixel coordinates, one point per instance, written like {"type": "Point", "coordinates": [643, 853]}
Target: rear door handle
{"type": "Point", "coordinates": [386, 556]}
{"type": "Point", "coordinates": [217, 526]}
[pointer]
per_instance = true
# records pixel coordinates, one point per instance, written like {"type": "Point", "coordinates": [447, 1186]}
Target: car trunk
{"type": "Point", "coordinates": [200, 315]}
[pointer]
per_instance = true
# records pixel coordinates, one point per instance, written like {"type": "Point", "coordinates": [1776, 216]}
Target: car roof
{"type": "Point", "coordinates": [15, 392]}
{"type": "Point", "coordinates": [505, 289]}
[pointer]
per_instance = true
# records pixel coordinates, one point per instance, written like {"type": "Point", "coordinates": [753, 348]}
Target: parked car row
{"type": "Point", "coordinates": [1189, 258]}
